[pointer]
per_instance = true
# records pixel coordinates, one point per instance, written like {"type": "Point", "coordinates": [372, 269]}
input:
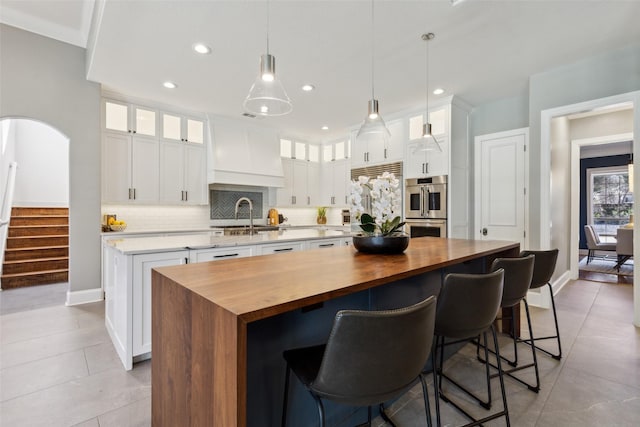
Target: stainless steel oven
{"type": "Point", "coordinates": [426, 198]}
{"type": "Point", "coordinates": [427, 227]}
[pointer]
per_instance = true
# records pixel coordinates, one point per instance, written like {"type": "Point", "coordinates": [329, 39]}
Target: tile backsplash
{"type": "Point", "coordinates": [223, 204]}
{"type": "Point", "coordinates": [143, 218]}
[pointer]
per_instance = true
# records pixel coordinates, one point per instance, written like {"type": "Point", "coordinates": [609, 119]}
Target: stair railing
{"type": "Point", "coordinates": [5, 210]}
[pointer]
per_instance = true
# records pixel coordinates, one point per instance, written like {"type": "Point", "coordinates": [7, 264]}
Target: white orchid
{"type": "Point", "coordinates": [385, 202]}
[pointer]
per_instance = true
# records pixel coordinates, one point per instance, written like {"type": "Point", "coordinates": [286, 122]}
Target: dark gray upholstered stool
{"type": "Point", "coordinates": [543, 268]}
{"type": "Point", "coordinates": [517, 278]}
{"type": "Point", "coordinates": [370, 358]}
{"type": "Point", "coordinates": [467, 307]}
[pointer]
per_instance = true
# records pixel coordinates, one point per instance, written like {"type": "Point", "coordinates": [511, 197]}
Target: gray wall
{"type": "Point", "coordinates": [44, 79]}
{"type": "Point", "coordinates": [501, 115]}
{"type": "Point", "coordinates": [613, 73]}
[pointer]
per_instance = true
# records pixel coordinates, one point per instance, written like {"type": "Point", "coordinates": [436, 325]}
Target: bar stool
{"type": "Point", "coordinates": [467, 307]}
{"type": "Point", "coordinates": [517, 278]}
{"type": "Point", "coordinates": [370, 358]}
{"type": "Point", "coordinates": [543, 268]}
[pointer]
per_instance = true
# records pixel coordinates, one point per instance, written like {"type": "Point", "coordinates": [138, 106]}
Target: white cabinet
{"type": "Point", "coordinates": [423, 163]}
{"type": "Point", "coordinates": [130, 168]}
{"type": "Point", "coordinates": [181, 128]}
{"type": "Point", "coordinates": [129, 118]}
{"type": "Point", "coordinates": [245, 155]}
{"type": "Point", "coordinates": [128, 299]}
{"type": "Point", "coordinates": [204, 255]}
{"type": "Point", "coordinates": [141, 302]}
{"type": "Point", "coordinates": [182, 173]}
{"type": "Point", "coordinates": [301, 184]}
{"type": "Point", "coordinates": [280, 248]}
{"type": "Point", "coordinates": [336, 176]}
{"type": "Point", "coordinates": [325, 243]}
{"type": "Point", "coordinates": [427, 163]}
{"type": "Point", "coordinates": [375, 151]}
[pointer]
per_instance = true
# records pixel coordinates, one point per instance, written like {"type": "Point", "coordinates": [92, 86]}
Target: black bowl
{"type": "Point", "coordinates": [392, 244]}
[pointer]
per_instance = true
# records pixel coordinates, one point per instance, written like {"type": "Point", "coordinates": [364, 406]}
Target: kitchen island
{"type": "Point", "coordinates": [218, 329]}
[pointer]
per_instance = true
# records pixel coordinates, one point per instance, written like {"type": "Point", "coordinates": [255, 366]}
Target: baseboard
{"type": "Point", "coordinates": [541, 298]}
{"type": "Point", "coordinates": [85, 296]}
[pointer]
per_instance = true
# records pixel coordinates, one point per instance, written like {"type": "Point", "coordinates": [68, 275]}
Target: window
{"type": "Point", "coordinates": [610, 202]}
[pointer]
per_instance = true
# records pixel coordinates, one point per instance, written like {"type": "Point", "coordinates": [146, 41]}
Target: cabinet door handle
{"type": "Point", "coordinates": [283, 250]}
{"type": "Point", "coordinates": [308, 200]}
{"type": "Point", "coordinates": [326, 245]}
{"type": "Point", "coordinates": [186, 196]}
{"type": "Point", "coordinates": [134, 131]}
{"type": "Point", "coordinates": [293, 200]}
{"type": "Point", "coordinates": [385, 153]}
{"type": "Point", "coordinates": [186, 260]}
{"type": "Point", "coordinates": [427, 167]}
{"type": "Point", "coordinates": [134, 194]}
{"type": "Point", "coordinates": [225, 256]}
{"type": "Point", "coordinates": [129, 193]}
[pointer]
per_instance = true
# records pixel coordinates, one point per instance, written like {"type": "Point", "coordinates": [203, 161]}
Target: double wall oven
{"type": "Point", "coordinates": [425, 206]}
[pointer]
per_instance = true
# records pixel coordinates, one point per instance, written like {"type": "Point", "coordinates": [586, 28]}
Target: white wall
{"type": "Point", "coordinates": [44, 79]}
{"type": "Point", "coordinates": [42, 154]}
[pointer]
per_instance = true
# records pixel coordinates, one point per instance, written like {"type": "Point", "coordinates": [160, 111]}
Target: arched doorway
{"type": "Point", "coordinates": [34, 171]}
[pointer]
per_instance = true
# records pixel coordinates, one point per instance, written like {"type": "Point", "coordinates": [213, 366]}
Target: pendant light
{"type": "Point", "coordinates": [267, 96]}
{"type": "Point", "coordinates": [373, 127]}
{"type": "Point", "coordinates": [428, 142]}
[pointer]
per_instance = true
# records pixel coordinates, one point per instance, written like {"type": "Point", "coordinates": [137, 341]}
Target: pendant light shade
{"type": "Point", "coordinates": [373, 128]}
{"type": "Point", "coordinates": [267, 96]}
{"type": "Point", "coordinates": [428, 142]}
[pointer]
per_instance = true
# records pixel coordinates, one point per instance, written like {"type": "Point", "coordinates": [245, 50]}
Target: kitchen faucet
{"type": "Point", "coordinates": [245, 199]}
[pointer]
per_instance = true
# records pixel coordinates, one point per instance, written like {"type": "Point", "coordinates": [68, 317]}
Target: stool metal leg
{"type": "Point", "coordinates": [286, 397]}
{"type": "Point", "coordinates": [532, 340]}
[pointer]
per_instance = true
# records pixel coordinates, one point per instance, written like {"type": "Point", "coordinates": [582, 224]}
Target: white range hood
{"type": "Point", "coordinates": [244, 154]}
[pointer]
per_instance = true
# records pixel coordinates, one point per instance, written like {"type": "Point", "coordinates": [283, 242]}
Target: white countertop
{"type": "Point", "coordinates": [138, 245]}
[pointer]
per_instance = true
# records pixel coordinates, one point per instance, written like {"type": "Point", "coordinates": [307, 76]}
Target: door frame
{"type": "Point", "coordinates": [576, 145]}
{"type": "Point", "coordinates": [545, 168]}
{"type": "Point", "coordinates": [478, 178]}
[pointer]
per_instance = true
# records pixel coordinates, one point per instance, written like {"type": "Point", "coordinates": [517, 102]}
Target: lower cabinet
{"type": "Point", "coordinates": [326, 243]}
{"type": "Point", "coordinates": [280, 248]}
{"type": "Point", "coordinates": [128, 299]}
{"type": "Point", "coordinates": [204, 255]}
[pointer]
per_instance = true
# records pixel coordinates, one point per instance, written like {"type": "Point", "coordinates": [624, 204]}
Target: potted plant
{"type": "Point", "coordinates": [322, 215]}
{"type": "Point", "coordinates": [382, 228]}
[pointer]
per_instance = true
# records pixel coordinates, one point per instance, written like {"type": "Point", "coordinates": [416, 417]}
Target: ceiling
{"type": "Point", "coordinates": [483, 50]}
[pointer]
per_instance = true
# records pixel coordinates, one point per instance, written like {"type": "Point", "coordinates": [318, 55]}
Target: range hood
{"type": "Point", "coordinates": [244, 154]}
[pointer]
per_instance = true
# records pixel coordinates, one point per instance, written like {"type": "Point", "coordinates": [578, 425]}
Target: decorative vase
{"type": "Point", "coordinates": [390, 244]}
{"type": "Point", "coordinates": [321, 220]}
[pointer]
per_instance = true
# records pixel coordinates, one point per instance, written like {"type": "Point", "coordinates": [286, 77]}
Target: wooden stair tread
{"type": "Point", "coordinates": [39, 226]}
{"type": "Point", "coordinates": [22, 261]}
{"type": "Point", "coordinates": [33, 248]}
{"type": "Point", "coordinates": [34, 273]}
{"type": "Point", "coordinates": [38, 236]}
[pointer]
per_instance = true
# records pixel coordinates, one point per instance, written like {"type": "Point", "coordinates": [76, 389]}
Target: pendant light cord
{"type": "Point", "coordinates": [372, 50]}
{"type": "Point", "coordinates": [427, 78]}
{"type": "Point", "coordinates": [267, 27]}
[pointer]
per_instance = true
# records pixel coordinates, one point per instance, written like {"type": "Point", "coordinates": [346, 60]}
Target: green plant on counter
{"type": "Point", "coordinates": [322, 211]}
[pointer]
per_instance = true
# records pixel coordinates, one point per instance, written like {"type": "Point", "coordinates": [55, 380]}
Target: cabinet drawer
{"type": "Point", "coordinates": [324, 243]}
{"type": "Point", "coordinates": [204, 255]}
{"type": "Point", "coordinates": [281, 248]}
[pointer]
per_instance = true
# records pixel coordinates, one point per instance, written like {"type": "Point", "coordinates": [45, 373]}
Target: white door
{"type": "Point", "coordinates": [500, 177]}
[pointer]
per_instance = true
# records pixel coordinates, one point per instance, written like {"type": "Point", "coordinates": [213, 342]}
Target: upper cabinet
{"type": "Point", "coordinates": [129, 118]}
{"type": "Point", "coordinates": [152, 156]}
{"type": "Point", "coordinates": [421, 162]}
{"type": "Point", "coordinates": [375, 151]}
{"type": "Point", "coordinates": [181, 128]}
{"type": "Point", "coordinates": [301, 164]}
{"type": "Point", "coordinates": [244, 155]}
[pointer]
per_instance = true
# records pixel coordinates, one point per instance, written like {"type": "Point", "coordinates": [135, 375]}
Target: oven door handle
{"type": "Point", "coordinates": [423, 202]}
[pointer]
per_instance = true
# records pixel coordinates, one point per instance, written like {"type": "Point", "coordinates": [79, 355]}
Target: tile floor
{"type": "Point", "coordinates": [58, 367]}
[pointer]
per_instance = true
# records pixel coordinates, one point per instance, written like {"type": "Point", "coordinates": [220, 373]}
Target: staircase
{"type": "Point", "coordinates": [37, 250]}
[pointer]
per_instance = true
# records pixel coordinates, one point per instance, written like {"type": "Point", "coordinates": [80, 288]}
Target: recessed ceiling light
{"type": "Point", "coordinates": [170, 85]}
{"type": "Point", "coordinates": [202, 48]}
{"type": "Point", "coordinates": [325, 128]}
{"type": "Point", "coordinates": [438, 91]}
{"type": "Point", "coordinates": [308, 88]}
